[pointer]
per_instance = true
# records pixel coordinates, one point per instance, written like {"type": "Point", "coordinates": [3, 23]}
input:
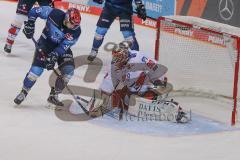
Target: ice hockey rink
{"type": "Point", "coordinates": [33, 132]}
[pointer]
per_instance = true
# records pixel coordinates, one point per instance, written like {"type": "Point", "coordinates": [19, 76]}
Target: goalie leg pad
{"type": "Point", "coordinates": [158, 110]}
{"type": "Point", "coordinates": [98, 105]}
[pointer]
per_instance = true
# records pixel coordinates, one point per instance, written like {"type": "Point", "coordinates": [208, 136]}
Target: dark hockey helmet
{"type": "Point", "coordinates": [120, 52]}
{"type": "Point", "coordinates": [72, 18]}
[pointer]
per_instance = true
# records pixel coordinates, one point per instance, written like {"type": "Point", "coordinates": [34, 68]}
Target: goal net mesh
{"type": "Point", "coordinates": [201, 62]}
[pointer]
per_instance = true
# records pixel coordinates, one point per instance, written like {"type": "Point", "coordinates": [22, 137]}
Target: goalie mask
{"type": "Point", "coordinates": [120, 53]}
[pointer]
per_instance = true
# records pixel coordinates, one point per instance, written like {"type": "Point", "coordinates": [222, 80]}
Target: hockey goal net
{"type": "Point", "coordinates": [202, 63]}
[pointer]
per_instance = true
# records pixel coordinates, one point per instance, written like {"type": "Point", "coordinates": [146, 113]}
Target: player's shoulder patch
{"type": "Point", "coordinates": [69, 36]}
{"type": "Point", "coordinates": [149, 62]}
{"type": "Point", "coordinates": [144, 59]}
{"type": "Point", "coordinates": [39, 10]}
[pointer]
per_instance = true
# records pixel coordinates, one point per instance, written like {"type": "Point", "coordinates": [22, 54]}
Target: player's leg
{"type": "Point", "coordinates": [33, 74]}
{"type": "Point", "coordinates": [127, 29]}
{"type": "Point", "coordinates": [106, 18]}
{"type": "Point", "coordinates": [23, 8]}
{"type": "Point", "coordinates": [29, 81]}
{"type": "Point", "coordinates": [66, 66]}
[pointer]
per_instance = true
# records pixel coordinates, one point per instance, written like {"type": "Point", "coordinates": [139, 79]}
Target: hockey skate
{"type": "Point", "coordinates": [182, 117]}
{"type": "Point", "coordinates": [53, 100]}
{"type": "Point", "coordinates": [20, 97]}
{"type": "Point", "coordinates": [92, 55]}
{"type": "Point", "coordinates": [179, 116]}
{"type": "Point", "coordinates": [8, 48]}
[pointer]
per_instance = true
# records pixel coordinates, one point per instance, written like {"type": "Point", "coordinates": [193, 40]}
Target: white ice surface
{"type": "Point", "coordinates": [33, 132]}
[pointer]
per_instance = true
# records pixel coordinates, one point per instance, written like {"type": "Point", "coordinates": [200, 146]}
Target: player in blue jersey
{"type": "Point", "coordinates": [62, 31]}
{"type": "Point", "coordinates": [112, 9]}
{"type": "Point", "coordinates": [23, 7]}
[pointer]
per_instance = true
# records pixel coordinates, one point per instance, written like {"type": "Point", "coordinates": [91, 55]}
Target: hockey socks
{"type": "Point", "coordinates": [12, 34]}
{"type": "Point", "coordinates": [97, 42]}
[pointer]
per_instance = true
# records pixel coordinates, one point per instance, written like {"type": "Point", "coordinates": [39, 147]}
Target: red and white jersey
{"type": "Point", "coordinates": [129, 74]}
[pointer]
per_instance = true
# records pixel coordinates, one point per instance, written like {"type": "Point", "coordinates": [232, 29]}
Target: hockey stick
{"type": "Point", "coordinates": [77, 98]}
{"type": "Point", "coordinates": [36, 45]}
{"type": "Point", "coordinates": [72, 94]}
{"type": "Point", "coordinates": [58, 75]}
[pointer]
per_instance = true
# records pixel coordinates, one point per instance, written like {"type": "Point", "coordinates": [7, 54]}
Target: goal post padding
{"type": "Point", "coordinates": [200, 60]}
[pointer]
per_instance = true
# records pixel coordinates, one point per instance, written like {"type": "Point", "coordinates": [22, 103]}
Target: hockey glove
{"type": "Point", "coordinates": [162, 83]}
{"type": "Point", "coordinates": [51, 60]}
{"type": "Point", "coordinates": [98, 1]}
{"type": "Point", "coordinates": [141, 11]}
{"type": "Point", "coordinates": [29, 27]}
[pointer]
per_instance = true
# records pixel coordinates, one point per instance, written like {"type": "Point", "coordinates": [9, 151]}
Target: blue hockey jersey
{"type": "Point", "coordinates": [125, 5]}
{"type": "Point", "coordinates": [55, 33]}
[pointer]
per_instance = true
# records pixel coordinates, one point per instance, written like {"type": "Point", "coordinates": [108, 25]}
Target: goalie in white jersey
{"type": "Point", "coordinates": [136, 72]}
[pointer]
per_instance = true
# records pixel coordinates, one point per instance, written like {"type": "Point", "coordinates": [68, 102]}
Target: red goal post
{"type": "Point", "coordinates": [200, 58]}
